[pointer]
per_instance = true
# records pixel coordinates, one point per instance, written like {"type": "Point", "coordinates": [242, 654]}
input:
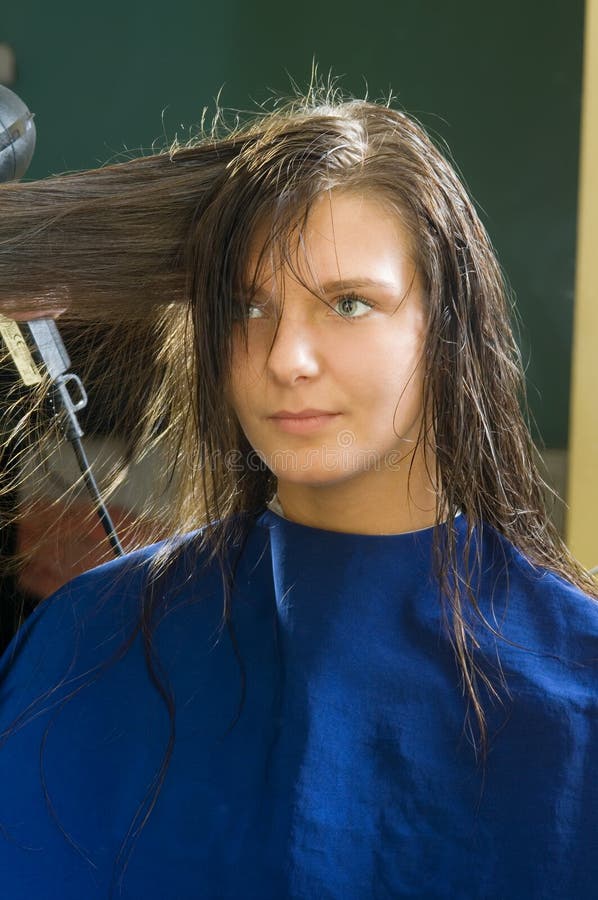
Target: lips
{"type": "Point", "coordinates": [301, 414]}
{"type": "Point", "coordinates": [302, 421]}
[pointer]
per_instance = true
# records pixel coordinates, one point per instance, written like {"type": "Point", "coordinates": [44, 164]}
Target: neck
{"type": "Point", "coordinates": [372, 503]}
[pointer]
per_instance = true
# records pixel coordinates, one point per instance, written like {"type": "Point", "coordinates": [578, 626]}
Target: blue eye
{"type": "Point", "coordinates": [350, 306]}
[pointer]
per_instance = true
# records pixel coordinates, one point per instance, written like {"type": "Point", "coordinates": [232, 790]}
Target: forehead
{"type": "Point", "coordinates": [343, 236]}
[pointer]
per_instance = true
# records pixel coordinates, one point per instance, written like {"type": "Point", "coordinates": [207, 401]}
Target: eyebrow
{"type": "Point", "coordinates": [344, 284]}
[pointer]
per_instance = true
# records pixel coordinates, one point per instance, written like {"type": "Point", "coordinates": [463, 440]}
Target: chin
{"type": "Point", "coordinates": [316, 477]}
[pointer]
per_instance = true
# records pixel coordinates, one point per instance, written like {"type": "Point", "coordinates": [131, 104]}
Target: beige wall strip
{"type": "Point", "coordinates": [582, 517]}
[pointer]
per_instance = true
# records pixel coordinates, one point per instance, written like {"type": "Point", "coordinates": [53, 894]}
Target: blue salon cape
{"type": "Point", "coordinates": [347, 773]}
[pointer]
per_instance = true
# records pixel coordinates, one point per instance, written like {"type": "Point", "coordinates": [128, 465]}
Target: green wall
{"type": "Point", "coordinates": [500, 83]}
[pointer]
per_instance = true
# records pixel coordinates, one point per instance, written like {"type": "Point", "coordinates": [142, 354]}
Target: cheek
{"type": "Point", "coordinates": [239, 372]}
{"type": "Point", "coordinates": [392, 362]}
{"type": "Point", "coordinates": [243, 384]}
{"type": "Point", "coordinates": [235, 392]}
{"type": "Point", "coordinates": [410, 403]}
{"type": "Point", "coordinates": [388, 381]}
{"type": "Point", "coordinates": [246, 390]}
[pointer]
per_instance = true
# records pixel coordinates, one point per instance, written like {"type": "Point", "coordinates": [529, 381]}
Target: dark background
{"type": "Point", "coordinates": [499, 83]}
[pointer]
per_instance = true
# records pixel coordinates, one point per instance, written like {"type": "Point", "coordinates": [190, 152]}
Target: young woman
{"type": "Point", "coordinates": [371, 671]}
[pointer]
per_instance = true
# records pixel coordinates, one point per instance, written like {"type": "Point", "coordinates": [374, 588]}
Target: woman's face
{"type": "Point", "coordinates": [335, 395]}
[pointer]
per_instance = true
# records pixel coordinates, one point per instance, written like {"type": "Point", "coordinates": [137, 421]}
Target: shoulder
{"type": "Point", "coordinates": [90, 618]}
{"type": "Point", "coordinates": [535, 589]}
{"type": "Point", "coordinates": [89, 621]}
{"type": "Point", "coordinates": [119, 580]}
{"type": "Point", "coordinates": [540, 625]}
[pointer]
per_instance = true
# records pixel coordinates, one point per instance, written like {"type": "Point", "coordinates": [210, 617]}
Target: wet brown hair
{"type": "Point", "coordinates": [155, 250]}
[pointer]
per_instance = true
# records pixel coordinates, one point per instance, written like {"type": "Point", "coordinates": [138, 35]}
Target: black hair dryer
{"type": "Point", "coordinates": [17, 136]}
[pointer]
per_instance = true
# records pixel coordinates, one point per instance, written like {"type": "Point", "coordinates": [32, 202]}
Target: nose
{"type": "Point", "coordinates": [294, 353]}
